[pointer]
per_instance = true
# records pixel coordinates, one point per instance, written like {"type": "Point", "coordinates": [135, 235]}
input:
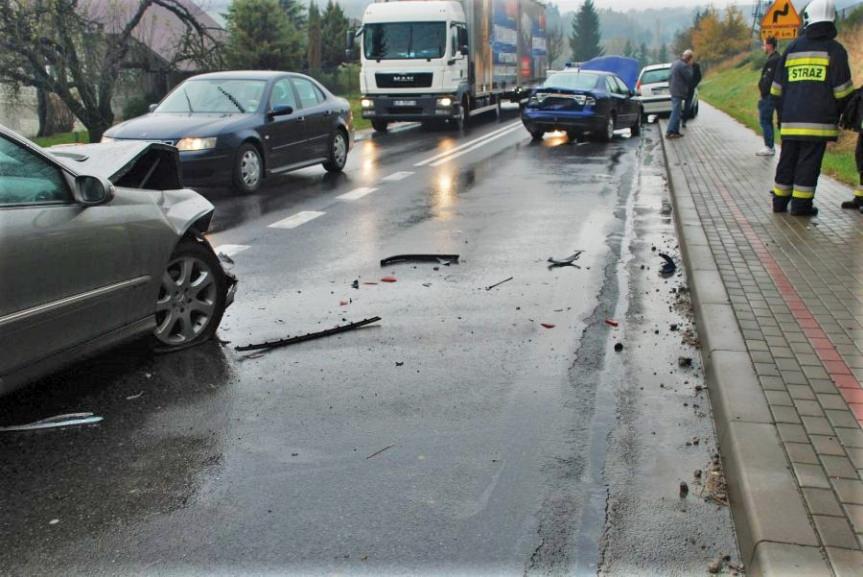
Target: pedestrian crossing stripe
{"type": "Point", "coordinates": [807, 73]}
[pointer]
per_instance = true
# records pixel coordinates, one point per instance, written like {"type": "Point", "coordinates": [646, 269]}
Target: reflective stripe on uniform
{"type": "Point", "coordinates": [822, 54]}
{"type": "Point", "coordinates": [809, 129]}
{"type": "Point", "coordinates": [843, 90]}
{"type": "Point", "coordinates": [782, 190]}
{"type": "Point", "coordinates": [804, 192]}
{"type": "Point", "coordinates": [775, 89]}
{"type": "Point", "coordinates": [859, 191]}
{"type": "Point", "coordinates": [789, 62]}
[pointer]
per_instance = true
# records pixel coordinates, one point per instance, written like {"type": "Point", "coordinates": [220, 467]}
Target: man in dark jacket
{"type": "Point", "coordinates": [852, 119]}
{"type": "Point", "coordinates": [688, 112]}
{"type": "Point", "coordinates": [812, 84]}
{"type": "Point", "coordinates": [765, 104]}
{"type": "Point", "coordinates": [678, 86]}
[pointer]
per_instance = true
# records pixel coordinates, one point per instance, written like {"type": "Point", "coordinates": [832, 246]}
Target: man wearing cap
{"type": "Point", "coordinates": [678, 86]}
{"type": "Point", "coordinates": [811, 86]}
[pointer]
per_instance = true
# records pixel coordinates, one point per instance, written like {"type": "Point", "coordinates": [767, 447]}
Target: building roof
{"type": "Point", "coordinates": [160, 30]}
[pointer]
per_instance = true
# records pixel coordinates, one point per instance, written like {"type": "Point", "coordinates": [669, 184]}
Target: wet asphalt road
{"type": "Point", "coordinates": [458, 436]}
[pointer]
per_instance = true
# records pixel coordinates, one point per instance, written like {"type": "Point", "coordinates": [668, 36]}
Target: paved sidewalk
{"type": "Point", "coordinates": [780, 309]}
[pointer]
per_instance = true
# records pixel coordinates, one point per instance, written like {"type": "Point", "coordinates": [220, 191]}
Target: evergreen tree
{"type": "Point", "coordinates": [260, 36]}
{"type": "Point", "coordinates": [643, 55]}
{"type": "Point", "coordinates": [628, 50]}
{"type": "Point", "coordinates": [313, 53]}
{"type": "Point", "coordinates": [334, 26]}
{"type": "Point", "coordinates": [662, 54]}
{"type": "Point", "coordinates": [295, 11]}
{"type": "Point", "coordinates": [584, 37]}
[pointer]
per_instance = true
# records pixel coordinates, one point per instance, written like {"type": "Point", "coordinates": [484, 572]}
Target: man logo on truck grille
{"type": "Point", "coordinates": [402, 78]}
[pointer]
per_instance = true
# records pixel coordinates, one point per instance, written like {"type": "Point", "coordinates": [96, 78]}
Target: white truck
{"type": "Point", "coordinates": [436, 60]}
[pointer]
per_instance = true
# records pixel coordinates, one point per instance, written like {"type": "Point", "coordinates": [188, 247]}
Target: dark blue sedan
{"type": "Point", "coordinates": [235, 128]}
{"type": "Point", "coordinates": [582, 102]}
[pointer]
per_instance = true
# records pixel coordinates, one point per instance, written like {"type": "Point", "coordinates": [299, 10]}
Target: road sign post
{"type": "Point", "coordinates": [781, 21]}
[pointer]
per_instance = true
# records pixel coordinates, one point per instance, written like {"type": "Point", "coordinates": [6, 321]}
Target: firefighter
{"type": "Point", "coordinates": [811, 85]}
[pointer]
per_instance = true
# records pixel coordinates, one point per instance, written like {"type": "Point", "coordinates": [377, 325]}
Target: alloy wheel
{"type": "Point", "coordinates": [187, 301]}
{"type": "Point", "coordinates": [340, 149]}
{"type": "Point", "coordinates": [250, 168]}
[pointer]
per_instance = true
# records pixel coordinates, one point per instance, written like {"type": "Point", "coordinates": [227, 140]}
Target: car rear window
{"type": "Point", "coordinates": [571, 81]}
{"type": "Point", "coordinates": [654, 76]}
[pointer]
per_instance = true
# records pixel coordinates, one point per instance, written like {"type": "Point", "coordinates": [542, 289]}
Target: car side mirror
{"type": "Point", "coordinates": [153, 107]}
{"type": "Point", "coordinates": [93, 191]}
{"type": "Point", "coordinates": [463, 49]}
{"type": "Point", "coordinates": [280, 110]}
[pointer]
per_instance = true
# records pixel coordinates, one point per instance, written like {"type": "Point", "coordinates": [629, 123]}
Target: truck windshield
{"type": "Point", "coordinates": [405, 40]}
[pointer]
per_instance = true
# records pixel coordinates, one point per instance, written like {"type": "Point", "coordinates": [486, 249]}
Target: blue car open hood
{"type": "Point", "coordinates": [626, 69]}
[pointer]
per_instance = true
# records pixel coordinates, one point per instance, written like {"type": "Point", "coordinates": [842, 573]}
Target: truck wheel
{"type": "Point", "coordinates": [380, 126]}
{"type": "Point", "coordinates": [463, 119]}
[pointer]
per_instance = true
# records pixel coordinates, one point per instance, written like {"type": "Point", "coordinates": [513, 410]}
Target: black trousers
{"type": "Point", "coordinates": [797, 172]}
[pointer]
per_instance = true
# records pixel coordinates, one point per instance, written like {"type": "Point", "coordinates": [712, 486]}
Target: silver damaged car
{"type": "Point", "coordinates": [100, 244]}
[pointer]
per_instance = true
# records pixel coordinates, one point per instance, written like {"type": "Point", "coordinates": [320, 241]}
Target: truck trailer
{"type": "Point", "coordinates": [447, 60]}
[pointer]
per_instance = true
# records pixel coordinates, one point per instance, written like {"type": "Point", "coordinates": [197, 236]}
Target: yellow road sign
{"type": "Point", "coordinates": [781, 21]}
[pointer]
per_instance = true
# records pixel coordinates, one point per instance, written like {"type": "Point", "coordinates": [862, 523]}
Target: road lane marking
{"type": "Point", "coordinates": [397, 176]}
{"type": "Point", "coordinates": [475, 146]}
{"type": "Point", "coordinates": [231, 249]}
{"type": "Point", "coordinates": [356, 193]}
{"type": "Point", "coordinates": [296, 220]}
{"type": "Point", "coordinates": [467, 144]}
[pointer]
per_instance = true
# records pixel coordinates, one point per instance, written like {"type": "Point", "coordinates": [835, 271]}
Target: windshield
{"type": "Point", "coordinates": [405, 40]}
{"type": "Point", "coordinates": [571, 81]}
{"type": "Point", "coordinates": [654, 76]}
{"type": "Point", "coordinates": [215, 96]}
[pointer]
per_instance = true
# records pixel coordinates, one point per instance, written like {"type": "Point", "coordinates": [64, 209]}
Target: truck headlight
{"type": "Point", "coordinates": [192, 143]}
{"type": "Point", "coordinates": [444, 102]}
{"type": "Point", "coordinates": [107, 139]}
{"type": "Point", "coordinates": [366, 103]}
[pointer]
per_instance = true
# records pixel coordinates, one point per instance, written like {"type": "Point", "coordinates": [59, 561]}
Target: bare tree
{"type": "Point", "coordinates": [76, 49]}
{"type": "Point", "coordinates": [555, 42]}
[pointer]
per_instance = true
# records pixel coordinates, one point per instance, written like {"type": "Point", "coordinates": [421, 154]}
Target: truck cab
{"type": "Point", "coordinates": [416, 60]}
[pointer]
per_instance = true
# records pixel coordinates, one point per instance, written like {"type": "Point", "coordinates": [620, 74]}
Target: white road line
{"type": "Point", "coordinates": [397, 176]}
{"type": "Point", "coordinates": [356, 193]}
{"type": "Point", "coordinates": [231, 249]}
{"type": "Point", "coordinates": [297, 219]}
{"type": "Point", "coordinates": [467, 144]}
{"type": "Point", "coordinates": [512, 129]}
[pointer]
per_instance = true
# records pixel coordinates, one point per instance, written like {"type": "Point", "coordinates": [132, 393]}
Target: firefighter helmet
{"type": "Point", "coordinates": [819, 11]}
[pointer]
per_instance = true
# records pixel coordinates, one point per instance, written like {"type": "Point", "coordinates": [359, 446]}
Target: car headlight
{"type": "Point", "coordinates": [193, 143]}
{"type": "Point", "coordinates": [444, 102]}
{"type": "Point", "coordinates": [107, 139]}
{"type": "Point", "coordinates": [590, 101]}
{"type": "Point", "coordinates": [532, 101]}
{"type": "Point", "coordinates": [366, 103]}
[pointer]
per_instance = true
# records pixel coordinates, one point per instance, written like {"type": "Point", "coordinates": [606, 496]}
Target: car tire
{"type": "Point", "coordinates": [608, 134]}
{"type": "Point", "coordinates": [573, 135]}
{"type": "Point", "coordinates": [248, 169]}
{"type": "Point", "coordinates": [380, 126]}
{"type": "Point", "coordinates": [635, 129]}
{"type": "Point", "coordinates": [536, 133]}
{"type": "Point", "coordinates": [338, 153]}
{"type": "Point", "coordinates": [191, 298]}
{"type": "Point", "coordinates": [695, 110]}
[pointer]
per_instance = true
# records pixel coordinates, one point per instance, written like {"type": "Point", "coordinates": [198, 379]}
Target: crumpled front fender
{"type": "Point", "coordinates": [185, 209]}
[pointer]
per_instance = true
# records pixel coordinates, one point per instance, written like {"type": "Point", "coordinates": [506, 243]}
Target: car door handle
{"type": "Point", "coordinates": [301, 119]}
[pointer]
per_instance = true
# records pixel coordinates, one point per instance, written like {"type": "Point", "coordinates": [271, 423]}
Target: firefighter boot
{"type": "Point", "coordinates": [803, 207]}
{"type": "Point", "coordinates": [780, 203]}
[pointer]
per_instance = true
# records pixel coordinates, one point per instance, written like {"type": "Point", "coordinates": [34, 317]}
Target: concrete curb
{"type": "Point", "coordinates": [774, 532]}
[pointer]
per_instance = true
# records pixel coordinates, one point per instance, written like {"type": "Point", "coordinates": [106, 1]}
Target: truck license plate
{"type": "Point", "coordinates": [405, 103]}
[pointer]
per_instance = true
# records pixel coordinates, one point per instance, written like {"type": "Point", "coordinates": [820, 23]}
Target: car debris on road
{"type": "Point", "coordinates": [444, 259]}
{"type": "Point", "coordinates": [568, 261]}
{"type": "Point", "coordinates": [67, 420]}
{"type": "Point", "coordinates": [497, 284]}
{"type": "Point", "coordinates": [307, 337]}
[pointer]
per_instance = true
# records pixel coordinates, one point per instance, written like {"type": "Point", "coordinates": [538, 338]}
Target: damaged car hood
{"type": "Point", "coordinates": [134, 164]}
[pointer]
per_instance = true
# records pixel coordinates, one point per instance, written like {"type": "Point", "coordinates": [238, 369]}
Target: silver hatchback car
{"type": "Point", "coordinates": [100, 244]}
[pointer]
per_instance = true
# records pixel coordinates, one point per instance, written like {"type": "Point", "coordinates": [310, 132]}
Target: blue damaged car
{"type": "Point", "coordinates": [596, 98]}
